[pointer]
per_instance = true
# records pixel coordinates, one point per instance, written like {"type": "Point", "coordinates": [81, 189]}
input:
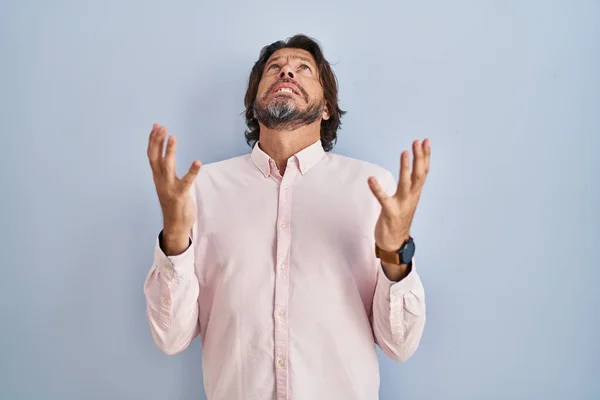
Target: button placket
{"type": "Point", "coordinates": [282, 280]}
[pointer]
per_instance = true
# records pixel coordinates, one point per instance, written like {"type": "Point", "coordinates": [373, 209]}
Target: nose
{"type": "Point", "coordinates": [286, 71]}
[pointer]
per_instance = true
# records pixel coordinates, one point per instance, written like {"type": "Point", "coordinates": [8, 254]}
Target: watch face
{"type": "Point", "coordinates": [408, 252]}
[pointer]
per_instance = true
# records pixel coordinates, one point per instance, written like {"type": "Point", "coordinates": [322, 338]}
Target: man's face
{"type": "Point", "coordinates": [290, 92]}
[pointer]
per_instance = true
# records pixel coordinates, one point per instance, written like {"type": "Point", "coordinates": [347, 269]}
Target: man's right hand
{"type": "Point", "coordinates": [176, 203]}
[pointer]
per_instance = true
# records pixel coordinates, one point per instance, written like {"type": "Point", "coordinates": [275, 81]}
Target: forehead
{"type": "Point", "coordinates": [293, 54]}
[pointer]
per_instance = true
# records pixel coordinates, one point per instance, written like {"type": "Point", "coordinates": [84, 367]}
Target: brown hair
{"type": "Point", "coordinates": [328, 79]}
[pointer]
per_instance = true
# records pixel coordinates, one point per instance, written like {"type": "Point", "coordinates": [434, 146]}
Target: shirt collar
{"type": "Point", "coordinates": [306, 158]}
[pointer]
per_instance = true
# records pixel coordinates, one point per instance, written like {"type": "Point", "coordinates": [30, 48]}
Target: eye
{"type": "Point", "coordinates": [272, 66]}
{"type": "Point", "coordinates": [305, 67]}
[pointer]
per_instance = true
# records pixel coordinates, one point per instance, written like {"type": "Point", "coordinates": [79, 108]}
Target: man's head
{"type": "Point", "coordinates": [292, 85]}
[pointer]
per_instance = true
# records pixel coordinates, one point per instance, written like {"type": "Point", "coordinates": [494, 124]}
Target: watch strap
{"type": "Point", "coordinates": [392, 257]}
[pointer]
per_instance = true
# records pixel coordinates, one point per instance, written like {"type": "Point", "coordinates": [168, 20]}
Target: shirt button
{"type": "Point", "coordinates": [169, 267]}
{"type": "Point", "coordinates": [282, 313]}
{"type": "Point", "coordinates": [283, 225]}
{"type": "Point", "coordinates": [281, 363]}
{"type": "Point", "coordinates": [282, 267]}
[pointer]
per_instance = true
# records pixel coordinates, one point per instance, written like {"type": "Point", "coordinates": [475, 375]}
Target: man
{"type": "Point", "coordinates": [284, 262]}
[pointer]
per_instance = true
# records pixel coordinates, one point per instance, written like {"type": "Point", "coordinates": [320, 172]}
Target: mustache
{"type": "Point", "coordinates": [288, 80]}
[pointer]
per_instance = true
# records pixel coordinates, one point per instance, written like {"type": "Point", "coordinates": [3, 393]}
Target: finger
{"type": "Point", "coordinates": [153, 147]}
{"type": "Point", "coordinates": [377, 190]}
{"type": "Point", "coordinates": [427, 151]}
{"type": "Point", "coordinates": [169, 162]}
{"type": "Point", "coordinates": [158, 140]}
{"type": "Point", "coordinates": [418, 172]}
{"type": "Point", "coordinates": [404, 180]}
{"type": "Point", "coordinates": [160, 144]}
{"type": "Point", "coordinates": [191, 175]}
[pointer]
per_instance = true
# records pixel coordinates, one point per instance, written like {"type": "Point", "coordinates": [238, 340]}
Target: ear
{"type": "Point", "coordinates": [326, 113]}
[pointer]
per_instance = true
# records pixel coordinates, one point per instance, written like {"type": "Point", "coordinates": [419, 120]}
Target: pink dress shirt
{"type": "Point", "coordinates": [281, 281]}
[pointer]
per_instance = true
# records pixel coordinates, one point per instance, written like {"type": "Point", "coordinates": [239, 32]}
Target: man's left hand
{"type": "Point", "coordinates": [397, 212]}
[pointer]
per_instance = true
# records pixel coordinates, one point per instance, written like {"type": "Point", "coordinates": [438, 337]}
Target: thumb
{"type": "Point", "coordinates": [377, 190]}
{"type": "Point", "coordinates": [189, 178]}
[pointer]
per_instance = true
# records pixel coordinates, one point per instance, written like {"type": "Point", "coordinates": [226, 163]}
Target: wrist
{"type": "Point", "coordinates": [395, 272]}
{"type": "Point", "coordinates": [396, 262]}
{"type": "Point", "coordinates": [174, 242]}
{"type": "Point", "coordinates": [393, 245]}
{"type": "Point", "coordinates": [174, 228]}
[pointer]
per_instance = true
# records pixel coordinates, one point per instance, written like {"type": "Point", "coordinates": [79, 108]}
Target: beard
{"type": "Point", "coordinates": [283, 113]}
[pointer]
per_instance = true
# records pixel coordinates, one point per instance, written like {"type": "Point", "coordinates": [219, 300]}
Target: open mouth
{"type": "Point", "coordinates": [286, 88]}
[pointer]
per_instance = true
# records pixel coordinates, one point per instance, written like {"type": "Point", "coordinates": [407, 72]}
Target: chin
{"type": "Point", "coordinates": [282, 102]}
{"type": "Point", "coordinates": [284, 98]}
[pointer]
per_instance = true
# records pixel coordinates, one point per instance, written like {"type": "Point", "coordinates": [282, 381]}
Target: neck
{"type": "Point", "coordinates": [283, 144]}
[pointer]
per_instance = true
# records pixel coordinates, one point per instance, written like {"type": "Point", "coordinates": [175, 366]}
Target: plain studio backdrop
{"type": "Point", "coordinates": [507, 230]}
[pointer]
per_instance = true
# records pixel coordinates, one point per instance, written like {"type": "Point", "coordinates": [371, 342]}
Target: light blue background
{"type": "Point", "coordinates": [508, 227]}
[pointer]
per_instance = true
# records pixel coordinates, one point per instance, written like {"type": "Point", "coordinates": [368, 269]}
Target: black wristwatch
{"type": "Point", "coordinates": [403, 255]}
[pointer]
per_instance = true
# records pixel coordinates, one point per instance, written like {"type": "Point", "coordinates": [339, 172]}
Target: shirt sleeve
{"type": "Point", "coordinates": [171, 289]}
{"type": "Point", "coordinates": [398, 317]}
{"type": "Point", "coordinates": [399, 314]}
